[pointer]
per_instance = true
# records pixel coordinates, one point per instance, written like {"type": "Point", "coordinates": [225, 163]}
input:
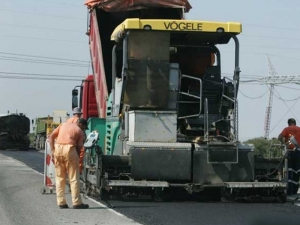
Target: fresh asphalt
{"type": "Point", "coordinates": [143, 212]}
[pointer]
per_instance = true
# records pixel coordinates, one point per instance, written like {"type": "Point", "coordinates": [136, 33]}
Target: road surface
{"type": "Point", "coordinates": [22, 195]}
{"type": "Point", "coordinates": [21, 201]}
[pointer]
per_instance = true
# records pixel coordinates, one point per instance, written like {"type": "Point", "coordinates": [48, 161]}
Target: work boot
{"type": "Point", "coordinates": [81, 206]}
{"type": "Point", "coordinates": [65, 206]}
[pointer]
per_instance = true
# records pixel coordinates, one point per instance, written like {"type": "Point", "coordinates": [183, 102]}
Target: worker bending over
{"type": "Point", "coordinates": [293, 154]}
{"type": "Point", "coordinates": [66, 151]}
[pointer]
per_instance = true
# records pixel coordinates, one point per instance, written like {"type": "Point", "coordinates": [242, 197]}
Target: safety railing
{"type": "Point", "coordinates": [192, 96]}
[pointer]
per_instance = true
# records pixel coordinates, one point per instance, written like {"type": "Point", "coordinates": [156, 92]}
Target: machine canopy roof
{"type": "Point", "coordinates": [125, 5]}
{"type": "Point", "coordinates": [188, 32]}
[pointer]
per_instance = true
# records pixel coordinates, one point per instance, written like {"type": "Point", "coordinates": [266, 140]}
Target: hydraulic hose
{"type": "Point", "coordinates": [269, 174]}
{"type": "Point", "coordinates": [281, 161]}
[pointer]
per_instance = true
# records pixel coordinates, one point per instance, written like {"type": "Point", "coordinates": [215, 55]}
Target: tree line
{"type": "Point", "coordinates": [266, 147]}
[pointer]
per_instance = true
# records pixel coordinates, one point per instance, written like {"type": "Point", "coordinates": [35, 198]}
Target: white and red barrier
{"type": "Point", "coordinates": [49, 171]}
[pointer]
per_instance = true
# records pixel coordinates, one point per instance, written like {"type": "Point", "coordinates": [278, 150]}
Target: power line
{"type": "Point", "coordinates": [290, 88]}
{"type": "Point", "coordinates": [77, 31]}
{"type": "Point", "coordinates": [16, 59]}
{"type": "Point", "coordinates": [245, 75]}
{"type": "Point", "coordinates": [272, 47]}
{"type": "Point", "coordinates": [37, 78]}
{"type": "Point", "coordinates": [253, 97]}
{"type": "Point", "coordinates": [287, 100]}
{"type": "Point", "coordinates": [45, 57]}
{"type": "Point", "coordinates": [284, 57]}
{"type": "Point", "coordinates": [40, 28]}
{"type": "Point", "coordinates": [284, 116]}
{"type": "Point", "coordinates": [249, 82]}
{"type": "Point", "coordinates": [285, 103]}
{"type": "Point", "coordinates": [272, 37]}
{"type": "Point", "coordinates": [42, 14]}
{"type": "Point", "coordinates": [42, 39]}
{"type": "Point", "coordinates": [51, 2]}
{"type": "Point", "coordinates": [38, 74]}
{"type": "Point", "coordinates": [263, 53]}
{"type": "Point", "coordinates": [253, 75]}
{"type": "Point", "coordinates": [270, 27]}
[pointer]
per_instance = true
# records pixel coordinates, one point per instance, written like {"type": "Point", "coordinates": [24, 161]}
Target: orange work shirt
{"type": "Point", "coordinates": [68, 133]}
{"type": "Point", "coordinates": [289, 131]}
{"type": "Point", "coordinates": [73, 119]}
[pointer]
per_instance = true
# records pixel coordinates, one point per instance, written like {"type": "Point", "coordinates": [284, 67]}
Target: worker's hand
{"type": "Point", "coordinates": [52, 154]}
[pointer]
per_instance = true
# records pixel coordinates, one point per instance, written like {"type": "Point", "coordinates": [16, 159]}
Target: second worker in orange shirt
{"type": "Point", "coordinates": [293, 155]}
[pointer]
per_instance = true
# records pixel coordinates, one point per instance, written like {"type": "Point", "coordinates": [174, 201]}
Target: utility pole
{"type": "Point", "coordinates": [272, 73]}
{"type": "Point", "coordinates": [272, 80]}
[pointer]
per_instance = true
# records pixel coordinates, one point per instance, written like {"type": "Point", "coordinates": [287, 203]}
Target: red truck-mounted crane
{"type": "Point", "coordinates": [166, 117]}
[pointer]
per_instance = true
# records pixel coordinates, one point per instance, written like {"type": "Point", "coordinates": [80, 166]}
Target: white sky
{"type": "Point", "coordinates": [56, 29]}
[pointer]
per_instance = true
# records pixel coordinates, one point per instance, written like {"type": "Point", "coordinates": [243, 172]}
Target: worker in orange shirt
{"type": "Point", "coordinates": [293, 154]}
{"type": "Point", "coordinates": [76, 115]}
{"type": "Point", "coordinates": [66, 151]}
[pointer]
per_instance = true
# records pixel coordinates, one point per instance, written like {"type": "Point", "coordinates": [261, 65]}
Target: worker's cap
{"type": "Point", "coordinates": [77, 110]}
{"type": "Point", "coordinates": [82, 121]}
{"type": "Point", "coordinates": [291, 120]}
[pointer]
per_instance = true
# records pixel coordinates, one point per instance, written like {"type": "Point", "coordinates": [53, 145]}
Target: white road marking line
{"type": "Point", "coordinates": [109, 209]}
{"type": "Point", "coordinates": [98, 203]}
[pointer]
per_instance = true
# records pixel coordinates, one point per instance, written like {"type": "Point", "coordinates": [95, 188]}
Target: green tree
{"type": "Point", "coordinates": [266, 147]}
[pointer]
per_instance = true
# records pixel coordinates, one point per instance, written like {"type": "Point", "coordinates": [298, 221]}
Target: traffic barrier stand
{"type": "Point", "coordinates": [49, 171]}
